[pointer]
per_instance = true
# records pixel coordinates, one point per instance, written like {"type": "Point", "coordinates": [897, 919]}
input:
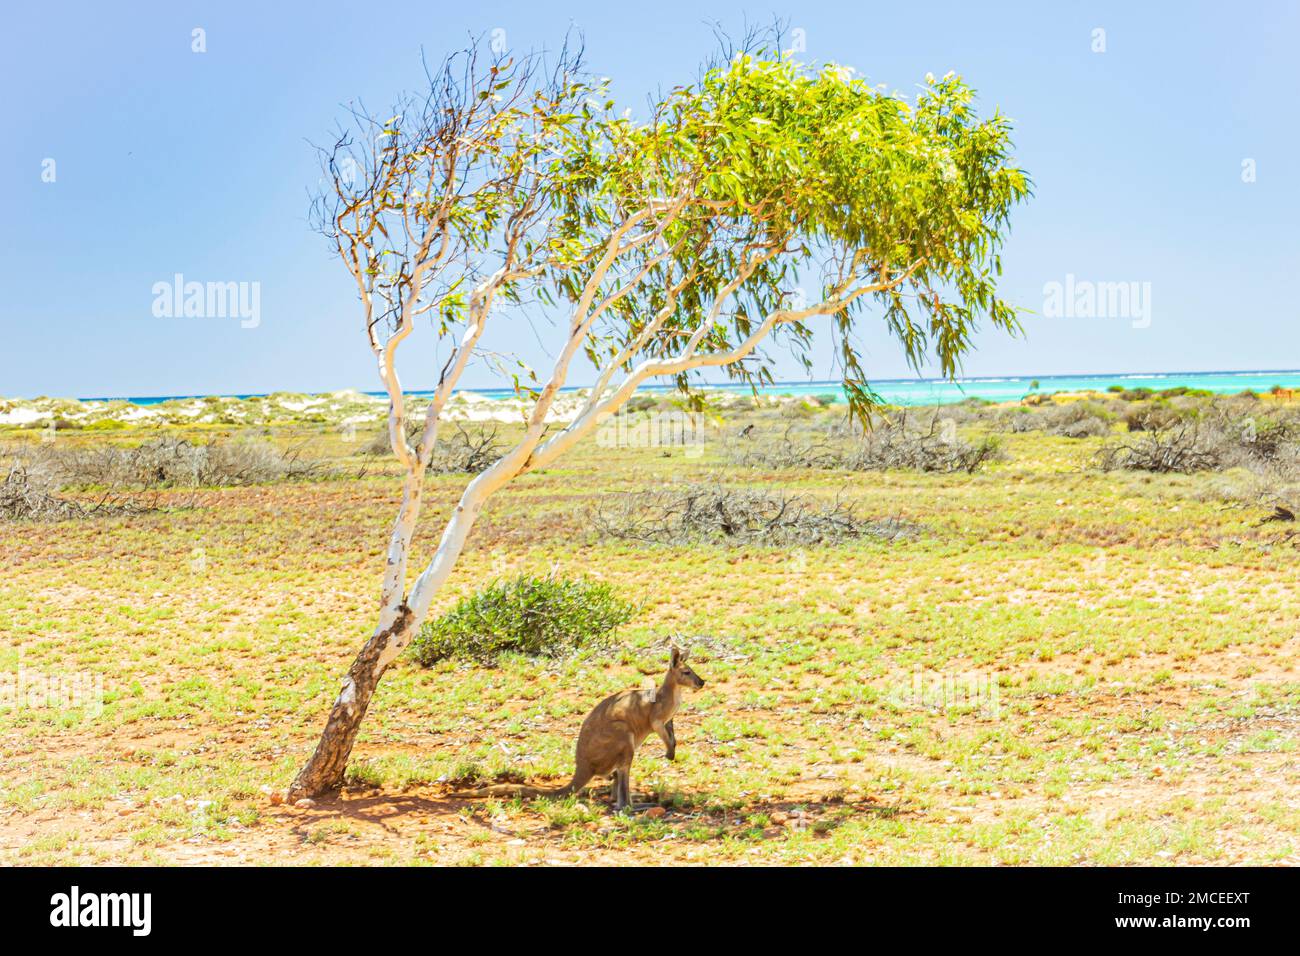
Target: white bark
{"type": "Point", "coordinates": [526, 455]}
{"type": "Point", "coordinates": [401, 616]}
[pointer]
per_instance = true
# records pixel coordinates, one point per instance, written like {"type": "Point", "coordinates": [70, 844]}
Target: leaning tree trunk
{"type": "Point", "coordinates": [324, 771]}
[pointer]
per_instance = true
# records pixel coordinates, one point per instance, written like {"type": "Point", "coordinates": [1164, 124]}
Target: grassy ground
{"type": "Point", "coordinates": [1139, 629]}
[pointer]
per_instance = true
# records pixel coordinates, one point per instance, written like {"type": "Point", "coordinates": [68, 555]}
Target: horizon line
{"type": "Point", "coordinates": [939, 380]}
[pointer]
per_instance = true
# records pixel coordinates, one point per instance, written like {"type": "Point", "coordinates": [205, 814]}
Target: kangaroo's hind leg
{"type": "Point", "coordinates": [623, 791]}
{"type": "Point", "coordinates": [622, 788]}
{"type": "Point", "coordinates": [623, 776]}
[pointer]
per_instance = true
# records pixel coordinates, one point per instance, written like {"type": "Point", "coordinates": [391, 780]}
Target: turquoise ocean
{"type": "Point", "coordinates": [926, 391]}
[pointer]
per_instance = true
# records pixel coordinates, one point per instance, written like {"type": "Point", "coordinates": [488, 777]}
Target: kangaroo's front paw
{"type": "Point", "coordinates": [672, 755]}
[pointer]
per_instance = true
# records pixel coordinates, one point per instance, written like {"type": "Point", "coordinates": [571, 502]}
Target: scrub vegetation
{"type": "Point", "coordinates": [1130, 633]}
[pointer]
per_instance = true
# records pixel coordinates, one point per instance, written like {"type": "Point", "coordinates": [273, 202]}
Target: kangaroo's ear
{"type": "Point", "coordinates": [676, 657]}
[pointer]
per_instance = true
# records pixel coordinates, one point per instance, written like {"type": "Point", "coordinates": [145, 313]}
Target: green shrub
{"type": "Point", "coordinates": [545, 616]}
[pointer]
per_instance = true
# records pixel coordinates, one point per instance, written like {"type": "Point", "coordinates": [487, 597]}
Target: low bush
{"type": "Point", "coordinates": [641, 403]}
{"type": "Point", "coordinates": [1212, 442]}
{"type": "Point", "coordinates": [1136, 394]}
{"type": "Point", "coordinates": [543, 616]}
{"type": "Point", "coordinates": [1072, 420]}
{"type": "Point", "coordinates": [1152, 416]}
{"type": "Point", "coordinates": [25, 496]}
{"type": "Point", "coordinates": [1180, 447]}
{"type": "Point", "coordinates": [711, 514]}
{"type": "Point", "coordinates": [903, 443]}
{"type": "Point", "coordinates": [466, 452]}
{"type": "Point", "coordinates": [171, 462]}
{"type": "Point", "coordinates": [935, 448]}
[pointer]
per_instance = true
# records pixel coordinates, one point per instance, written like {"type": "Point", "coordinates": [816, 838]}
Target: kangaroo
{"type": "Point", "coordinates": [611, 734]}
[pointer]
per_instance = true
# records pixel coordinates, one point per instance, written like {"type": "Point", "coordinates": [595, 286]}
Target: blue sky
{"type": "Point", "coordinates": [172, 161]}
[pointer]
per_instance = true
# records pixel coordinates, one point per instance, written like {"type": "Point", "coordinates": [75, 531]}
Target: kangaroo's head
{"type": "Point", "coordinates": [681, 672]}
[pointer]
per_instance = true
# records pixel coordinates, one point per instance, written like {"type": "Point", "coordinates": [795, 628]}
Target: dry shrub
{"type": "Point", "coordinates": [171, 462]}
{"type": "Point", "coordinates": [1176, 448]}
{"type": "Point", "coordinates": [1019, 420]}
{"type": "Point", "coordinates": [1262, 444]}
{"type": "Point", "coordinates": [1078, 420]}
{"type": "Point", "coordinates": [466, 452]}
{"type": "Point", "coordinates": [795, 447]}
{"type": "Point", "coordinates": [1265, 488]}
{"type": "Point", "coordinates": [1072, 420]}
{"type": "Point", "coordinates": [902, 442]}
{"type": "Point", "coordinates": [25, 496]}
{"type": "Point", "coordinates": [971, 411]}
{"type": "Point", "coordinates": [713, 514]}
{"type": "Point", "coordinates": [934, 448]}
{"type": "Point", "coordinates": [1146, 417]}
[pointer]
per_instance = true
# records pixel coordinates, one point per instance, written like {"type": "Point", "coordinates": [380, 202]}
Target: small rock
{"type": "Point", "coordinates": [277, 798]}
{"type": "Point", "coordinates": [654, 813]}
{"type": "Point", "coordinates": [306, 803]}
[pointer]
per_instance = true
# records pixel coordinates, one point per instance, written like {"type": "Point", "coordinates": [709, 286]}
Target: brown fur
{"type": "Point", "coordinates": [612, 733]}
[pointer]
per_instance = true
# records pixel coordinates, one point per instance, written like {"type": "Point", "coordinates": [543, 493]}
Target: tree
{"type": "Point", "coordinates": [669, 245]}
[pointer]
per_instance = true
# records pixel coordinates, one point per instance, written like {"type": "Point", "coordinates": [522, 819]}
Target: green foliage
{"type": "Point", "coordinates": [763, 201]}
{"type": "Point", "coordinates": [786, 171]}
{"type": "Point", "coordinates": [544, 616]}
